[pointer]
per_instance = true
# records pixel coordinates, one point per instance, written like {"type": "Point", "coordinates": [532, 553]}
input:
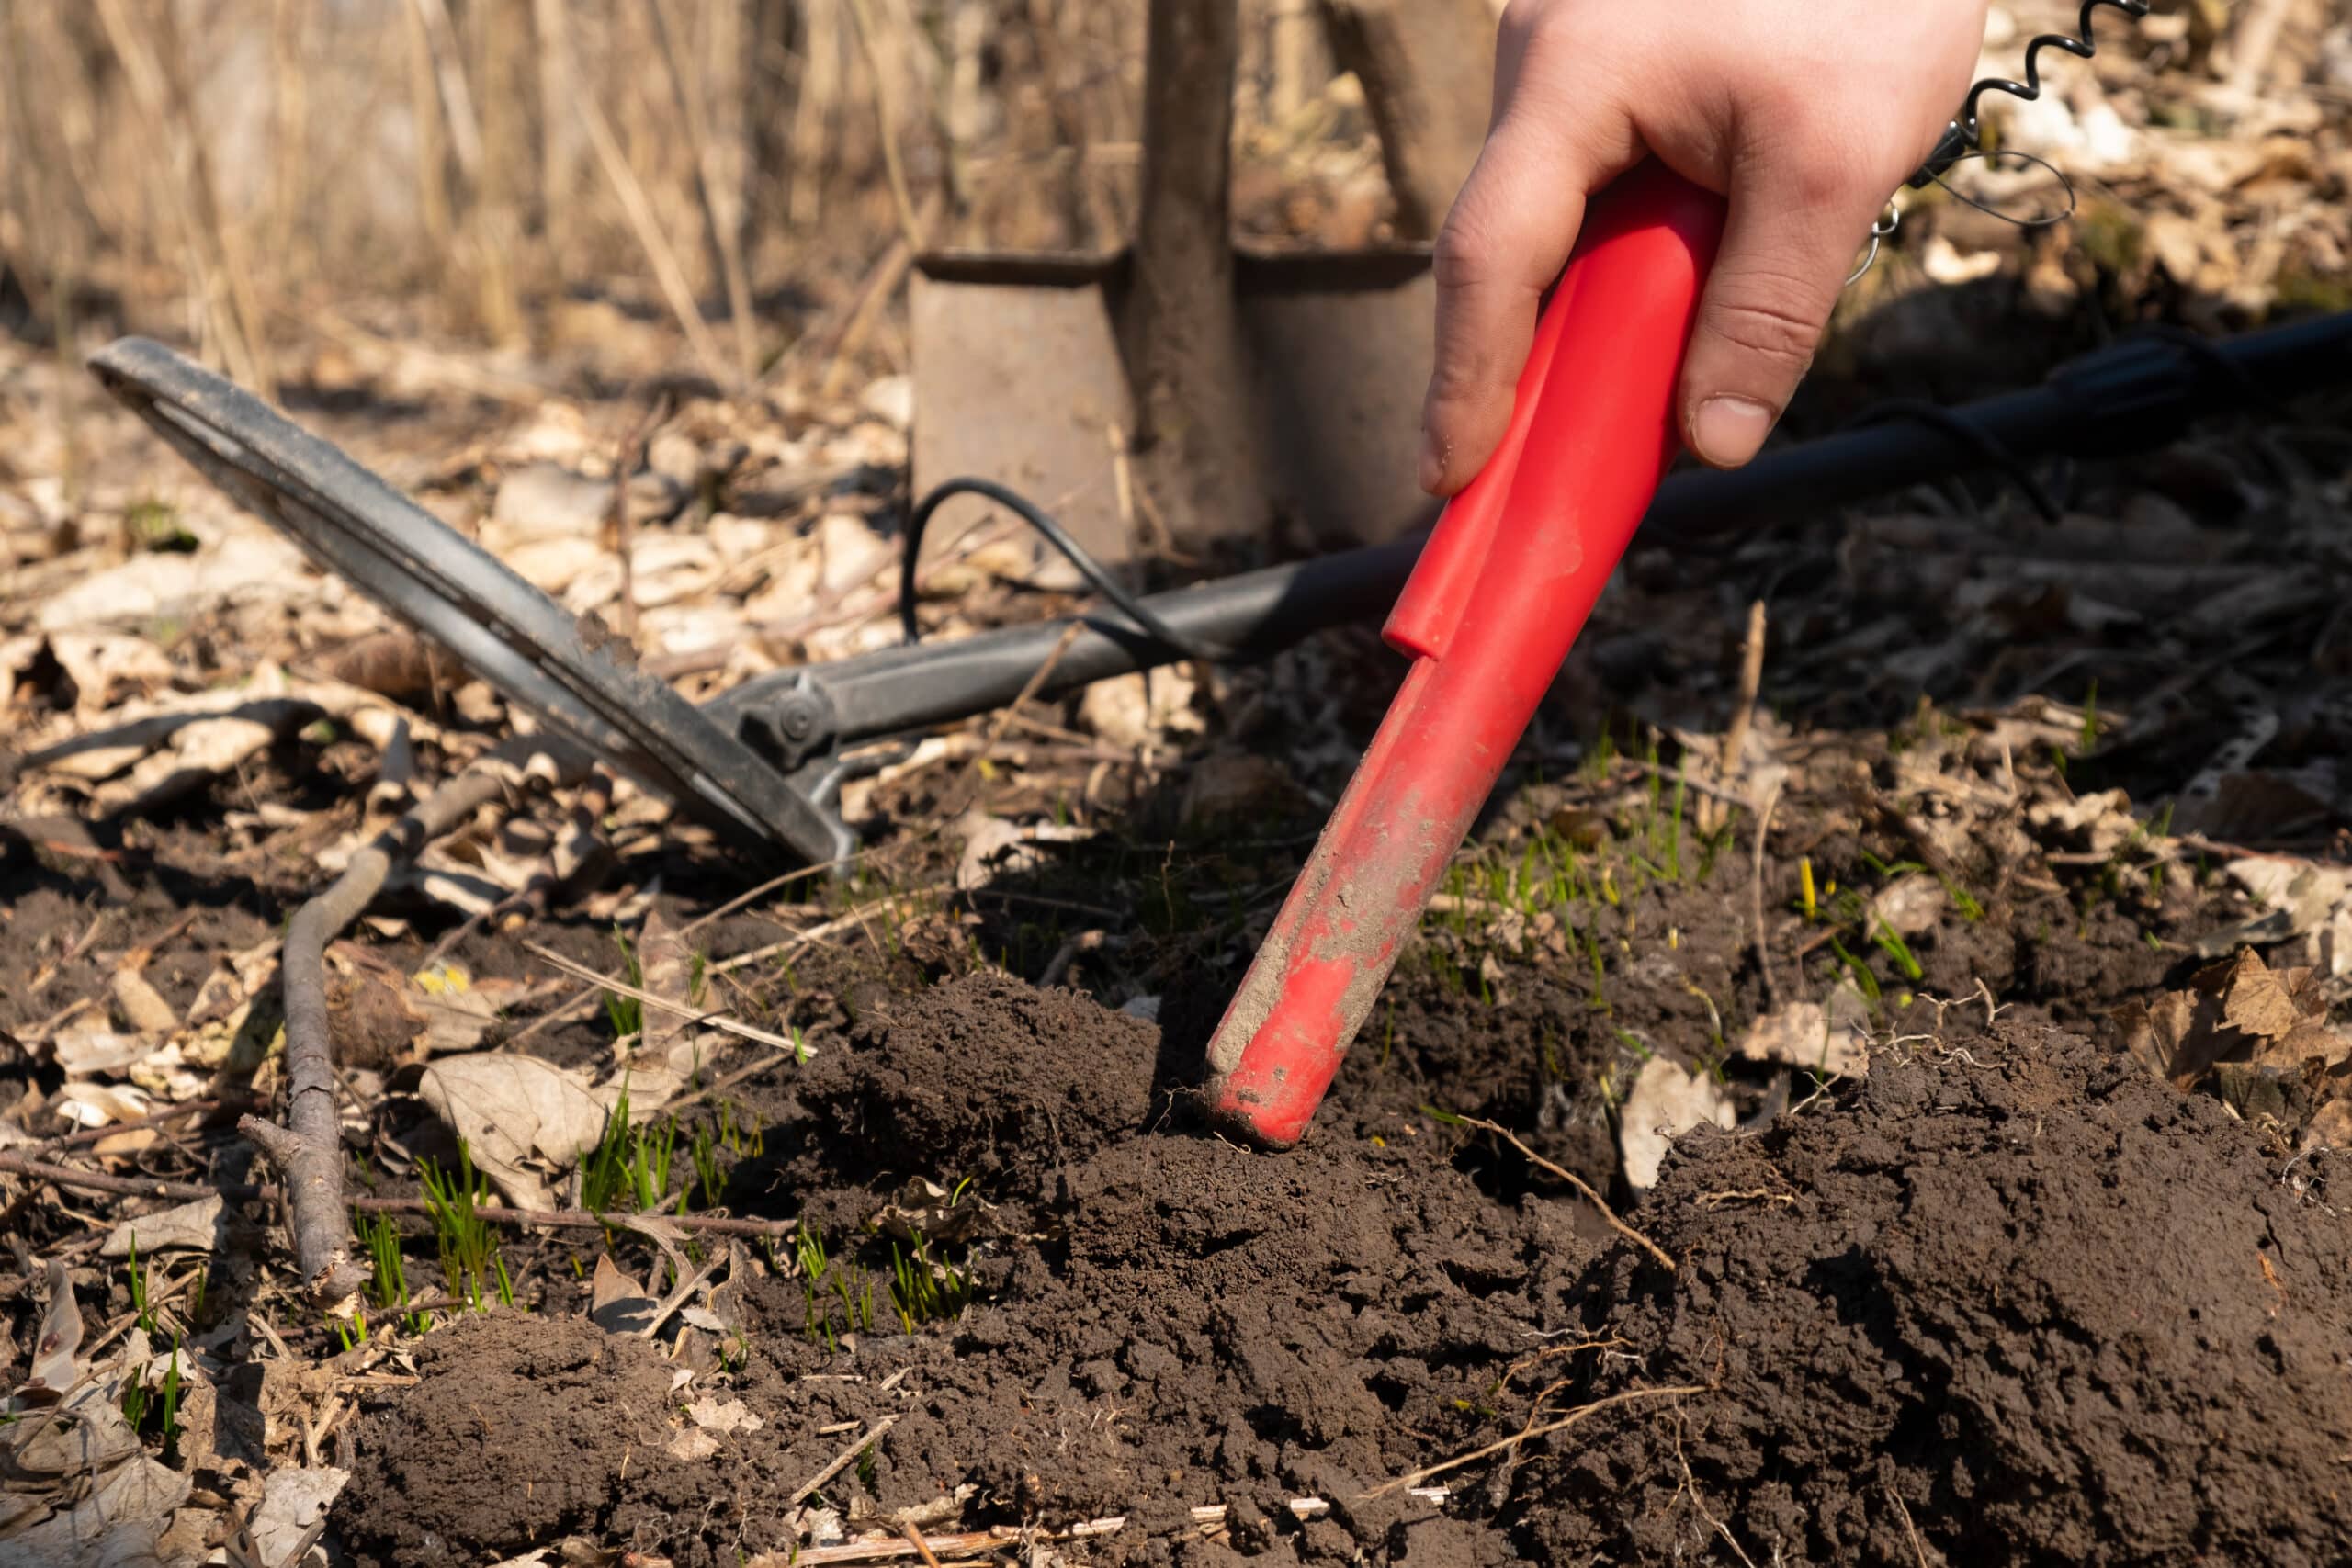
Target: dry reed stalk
{"type": "Point", "coordinates": [432, 154]}
{"type": "Point", "coordinates": [157, 77]}
{"type": "Point", "coordinates": [449, 75]}
{"type": "Point", "coordinates": [821, 76]}
{"type": "Point", "coordinates": [289, 239]}
{"type": "Point", "coordinates": [721, 219]}
{"type": "Point", "coordinates": [494, 223]}
{"type": "Point", "coordinates": [614, 163]}
{"type": "Point", "coordinates": [886, 109]}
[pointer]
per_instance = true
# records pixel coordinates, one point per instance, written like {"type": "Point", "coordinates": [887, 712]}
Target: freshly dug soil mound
{"type": "Point", "coordinates": [2010, 1288]}
{"type": "Point", "coordinates": [2018, 1290]}
{"type": "Point", "coordinates": [980, 1073]}
{"type": "Point", "coordinates": [1221, 1323]}
{"type": "Point", "coordinates": [523, 1431]}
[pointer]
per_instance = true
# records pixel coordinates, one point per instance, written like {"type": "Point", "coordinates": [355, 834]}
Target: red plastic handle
{"type": "Point", "coordinates": [1501, 592]}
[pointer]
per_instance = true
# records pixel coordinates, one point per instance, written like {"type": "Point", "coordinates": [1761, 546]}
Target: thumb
{"type": "Point", "coordinates": [1788, 245]}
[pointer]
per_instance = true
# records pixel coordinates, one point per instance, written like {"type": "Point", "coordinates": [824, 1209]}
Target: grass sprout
{"type": "Point", "coordinates": [926, 1290]}
{"type": "Point", "coordinates": [390, 1288]}
{"type": "Point", "coordinates": [626, 1014]}
{"type": "Point", "coordinates": [630, 1167]}
{"type": "Point", "coordinates": [471, 1261]}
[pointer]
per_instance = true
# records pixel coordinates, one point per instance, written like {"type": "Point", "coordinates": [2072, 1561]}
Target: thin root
{"type": "Point", "coordinates": [1579, 1183]}
{"type": "Point", "coordinates": [1532, 1431]}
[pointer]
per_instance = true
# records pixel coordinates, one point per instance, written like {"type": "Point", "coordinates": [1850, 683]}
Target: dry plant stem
{"type": "Point", "coordinates": [1532, 1431]}
{"type": "Point", "coordinates": [587, 995]}
{"type": "Point", "coordinates": [886, 109]}
{"type": "Point", "coordinates": [913, 1532]}
{"type": "Point", "coordinates": [1918, 1550]}
{"type": "Point", "coordinates": [224, 287]}
{"type": "Point", "coordinates": [1755, 896]}
{"type": "Point", "coordinates": [1751, 681]}
{"type": "Point", "coordinates": [718, 1020]}
{"type": "Point", "coordinates": [555, 40]}
{"type": "Point", "coordinates": [2252, 44]}
{"type": "Point", "coordinates": [152, 1119]}
{"type": "Point", "coordinates": [724, 234]}
{"type": "Point", "coordinates": [309, 1148]}
{"type": "Point", "coordinates": [1690, 1485]}
{"type": "Point", "coordinates": [840, 1461]}
{"type": "Point", "coordinates": [1044, 673]}
{"type": "Point", "coordinates": [1579, 1183]}
{"type": "Point", "coordinates": [619, 527]}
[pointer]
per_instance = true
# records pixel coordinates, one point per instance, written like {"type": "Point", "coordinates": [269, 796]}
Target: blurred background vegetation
{"type": "Point", "coordinates": [526, 174]}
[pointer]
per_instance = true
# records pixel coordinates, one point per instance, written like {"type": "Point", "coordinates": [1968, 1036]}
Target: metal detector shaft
{"type": "Point", "coordinates": [2139, 394]}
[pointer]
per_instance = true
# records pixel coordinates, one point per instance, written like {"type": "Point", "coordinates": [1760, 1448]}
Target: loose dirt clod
{"type": "Point", "coordinates": [980, 1071]}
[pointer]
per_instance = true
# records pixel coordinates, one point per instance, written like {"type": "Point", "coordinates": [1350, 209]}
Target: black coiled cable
{"type": "Point", "coordinates": [1965, 134]}
{"type": "Point", "coordinates": [1029, 511]}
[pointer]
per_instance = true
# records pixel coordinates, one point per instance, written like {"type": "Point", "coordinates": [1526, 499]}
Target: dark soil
{"type": "Point", "coordinates": [2058, 1311]}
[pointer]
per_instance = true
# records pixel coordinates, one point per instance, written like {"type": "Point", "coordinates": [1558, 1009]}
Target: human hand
{"type": "Point", "coordinates": [1806, 113]}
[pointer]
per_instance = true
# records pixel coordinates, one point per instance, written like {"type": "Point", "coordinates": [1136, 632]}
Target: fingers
{"type": "Point", "coordinates": [1794, 230]}
{"type": "Point", "coordinates": [1507, 238]}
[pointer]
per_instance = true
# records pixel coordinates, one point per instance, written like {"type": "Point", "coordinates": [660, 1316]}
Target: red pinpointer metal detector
{"type": "Point", "coordinates": [1494, 603]}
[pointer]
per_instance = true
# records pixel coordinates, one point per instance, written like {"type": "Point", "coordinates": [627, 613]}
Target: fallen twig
{"type": "Point", "coordinates": [1044, 672]}
{"type": "Point", "coordinates": [309, 1148]}
{"type": "Point", "coordinates": [1532, 1431]}
{"type": "Point", "coordinates": [1579, 1183]}
{"type": "Point", "coordinates": [841, 1461]}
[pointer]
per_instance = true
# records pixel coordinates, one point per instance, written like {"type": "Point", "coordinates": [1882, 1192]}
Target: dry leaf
{"type": "Point", "coordinates": [693, 1443]}
{"type": "Point", "coordinates": [143, 1007]}
{"type": "Point", "coordinates": [723, 1414]}
{"type": "Point", "coordinates": [1829, 1040]}
{"type": "Point", "coordinates": [2329, 1126]}
{"type": "Point", "coordinates": [617, 1304]}
{"type": "Point", "coordinates": [293, 1504]}
{"type": "Point", "coordinates": [118, 1525]}
{"type": "Point", "coordinates": [1118, 711]}
{"type": "Point", "coordinates": [923, 1210]}
{"type": "Point", "coordinates": [2238, 1011]}
{"type": "Point", "coordinates": [148, 588]}
{"type": "Point", "coordinates": [515, 1109]}
{"type": "Point", "coordinates": [85, 1048]}
{"type": "Point", "coordinates": [61, 1334]}
{"type": "Point", "coordinates": [991, 846]}
{"type": "Point", "coordinates": [194, 1226]}
{"type": "Point", "coordinates": [1665, 1101]}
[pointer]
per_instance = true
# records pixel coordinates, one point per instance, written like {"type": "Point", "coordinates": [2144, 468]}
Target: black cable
{"type": "Point", "coordinates": [1089, 569]}
{"type": "Point", "coordinates": [1995, 452]}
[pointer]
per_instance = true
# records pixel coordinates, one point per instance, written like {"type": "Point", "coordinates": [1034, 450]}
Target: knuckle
{"type": "Point", "coordinates": [1520, 20]}
{"type": "Point", "coordinates": [1529, 26]}
{"type": "Point", "coordinates": [1458, 381]}
{"type": "Point", "coordinates": [1761, 319]}
{"type": "Point", "coordinates": [1464, 254]}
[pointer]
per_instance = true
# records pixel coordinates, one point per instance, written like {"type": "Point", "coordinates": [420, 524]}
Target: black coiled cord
{"type": "Point", "coordinates": [1965, 134]}
{"type": "Point", "coordinates": [1089, 569]}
